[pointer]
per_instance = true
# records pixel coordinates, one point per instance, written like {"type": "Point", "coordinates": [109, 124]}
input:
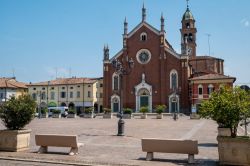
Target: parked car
{"type": "Point", "coordinates": [64, 111]}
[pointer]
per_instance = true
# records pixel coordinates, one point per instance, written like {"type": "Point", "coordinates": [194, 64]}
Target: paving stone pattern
{"type": "Point", "coordinates": [103, 147]}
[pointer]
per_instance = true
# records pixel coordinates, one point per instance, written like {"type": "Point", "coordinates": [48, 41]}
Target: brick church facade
{"type": "Point", "coordinates": [158, 74]}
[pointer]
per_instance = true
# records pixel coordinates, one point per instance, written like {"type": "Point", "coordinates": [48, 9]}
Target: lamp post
{"type": "Point", "coordinates": [48, 94]}
{"type": "Point", "coordinates": [121, 70]}
{"type": "Point", "coordinates": [39, 106]}
{"type": "Point", "coordinates": [175, 117]}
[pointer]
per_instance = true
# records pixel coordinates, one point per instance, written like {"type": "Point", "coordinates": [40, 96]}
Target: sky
{"type": "Point", "coordinates": [44, 39]}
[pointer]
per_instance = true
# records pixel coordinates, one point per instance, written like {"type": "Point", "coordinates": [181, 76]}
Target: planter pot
{"type": "Point", "coordinates": [56, 115]}
{"type": "Point", "coordinates": [71, 116]}
{"type": "Point", "coordinates": [194, 116]}
{"type": "Point", "coordinates": [159, 116]}
{"type": "Point", "coordinates": [233, 151]}
{"type": "Point", "coordinates": [107, 116]}
{"type": "Point", "coordinates": [126, 116]}
{"type": "Point", "coordinates": [224, 132]}
{"type": "Point", "coordinates": [44, 115]}
{"type": "Point", "coordinates": [14, 140]}
{"type": "Point", "coordinates": [91, 115]}
{"type": "Point", "coordinates": [144, 116]}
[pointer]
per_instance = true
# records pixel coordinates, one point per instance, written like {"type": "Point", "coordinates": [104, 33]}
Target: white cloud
{"type": "Point", "coordinates": [57, 72]}
{"type": "Point", "coordinates": [245, 22]}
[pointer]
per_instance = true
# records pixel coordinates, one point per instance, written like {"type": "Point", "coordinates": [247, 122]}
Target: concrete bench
{"type": "Point", "coordinates": [151, 145]}
{"type": "Point", "coordinates": [45, 140]}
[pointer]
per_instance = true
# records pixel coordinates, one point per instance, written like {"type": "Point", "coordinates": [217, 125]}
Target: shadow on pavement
{"type": "Point", "coordinates": [198, 162]}
{"type": "Point", "coordinates": [208, 145]}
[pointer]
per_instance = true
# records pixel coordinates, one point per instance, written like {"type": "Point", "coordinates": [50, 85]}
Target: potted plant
{"type": "Point", "coordinates": [159, 110]}
{"type": "Point", "coordinates": [56, 114]}
{"type": "Point", "coordinates": [44, 113]}
{"type": "Point", "coordinates": [71, 113]}
{"type": "Point", "coordinates": [15, 114]}
{"type": "Point", "coordinates": [88, 112]}
{"type": "Point", "coordinates": [144, 110]}
{"type": "Point", "coordinates": [228, 107]}
{"type": "Point", "coordinates": [107, 113]}
{"type": "Point", "coordinates": [127, 112]}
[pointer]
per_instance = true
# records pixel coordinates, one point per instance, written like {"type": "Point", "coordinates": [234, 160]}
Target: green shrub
{"type": "Point", "coordinates": [144, 110]}
{"type": "Point", "coordinates": [160, 108]}
{"type": "Point", "coordinates": [227, 107]}
{"type": "Point", "coordinates": [16, 113]}
{"type": "Point", "coordinates": [72, 111]}
{"type": "Point", "coordinates": [89, 110]}
{"type": "Point", "coordinates": [44, 110]}
{"type": "Point", "coordinates": [56, 112]}
{"type": "Point", "coordinates": [107, 110]}
{"type": "Point", "coordinates": [127, 111]}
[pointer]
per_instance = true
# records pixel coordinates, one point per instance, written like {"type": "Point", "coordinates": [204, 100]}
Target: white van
{"type": "Point", "coordinates": [64, 110]}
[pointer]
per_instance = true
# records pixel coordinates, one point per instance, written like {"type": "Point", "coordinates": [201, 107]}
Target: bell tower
{"type": "Point", "coordinates": [188, 34]}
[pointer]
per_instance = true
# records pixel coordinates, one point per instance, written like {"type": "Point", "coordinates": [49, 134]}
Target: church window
{"type": "Point", "coordinates": [190, 37]}
{"type": "Point", "coordinates": [115, 82]}
{"type": "Point", "coordinates": [187, 25]}
{"type": "Point", "coordinates": [173, 79]}
{"type": "Point", "coordinates": [143, 56]}
{"type": "Point", "coordinates": [200, 91]}
{"type": "Point", "coordinates": [210, 89]}
{"type": "Point", "coordinates": [143, 36]}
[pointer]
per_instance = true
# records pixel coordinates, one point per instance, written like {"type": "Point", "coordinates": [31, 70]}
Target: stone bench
{"type": "Point", "coordinates": [151, 145]}
{"type": "Point", "coordinates": [45, 140]}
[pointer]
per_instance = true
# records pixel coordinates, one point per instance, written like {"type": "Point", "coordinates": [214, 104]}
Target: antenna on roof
{"type": "Point", "coordinates": [70, 72]}
{"type": "Point", "coordinates": [208, 42]}
{"type": "Point", "coordinates": [56, 72]}
{"type": "Point", "coordinates": [13, 72]}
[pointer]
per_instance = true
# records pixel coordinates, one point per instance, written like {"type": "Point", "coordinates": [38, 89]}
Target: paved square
{"type": "Point", "coordinates": [102, 146]}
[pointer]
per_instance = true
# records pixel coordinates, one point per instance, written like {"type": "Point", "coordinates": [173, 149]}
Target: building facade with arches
{"type": "Point", "coordinates": [160, 75]}
{"type": "Point", "coordinates": [75, 93]}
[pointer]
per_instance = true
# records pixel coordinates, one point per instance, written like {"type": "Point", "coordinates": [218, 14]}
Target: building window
{"type": "Point", "coordinates": [89, 93]}
{"type": "Point", "coordinates": [52, 88]}
{"type": "Point", "coordinates": [100, 95]}
{"type": "Point", "coordinates": [63, 87]}
{"type": "Point", "coordinates": [173, 79]}
{"type": "Point", "coordinates": [78, 94]}
{"type": "Point", "coordinates": [43, 88]}
{"type": "Point", "coordinates": [63, 94]}
{"type": "Point", "coordinates": [143, 36]}
{"type": "Point", "coordinates": [1, 96]}
{"type": "Point", "coordinates": [115, 82]}
{"type": "Point", "coordinates": [71, 94]}
{"type": "Point", "coordinates": [52, 95]}
{"type": "Point", "coordinates": [101, 85]}
{"type": "Point", "coordinates": [210, 89]}
{"type": "Point", "coordinates": [200, 91]}
{"type": "Point", "coordinates": [78, 86]}
{"type": "Point", "coordinates": [43, 96]}
{"type": "Point", "coordinates": [96, 94]}
{"type": "Point", "coordinates": [71, 87]}
{"type": "Point", "coordinates": [34, 96]}
{"type": "Point", "coordinates": [34, 88]}
{"type": "Point", "coordinates": [89, 85]}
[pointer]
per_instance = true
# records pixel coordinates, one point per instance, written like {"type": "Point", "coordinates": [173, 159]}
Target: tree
{"type": "Point", "coordinates": [227, 106]}
{"type": "Point", "coordinates": [18, 112]}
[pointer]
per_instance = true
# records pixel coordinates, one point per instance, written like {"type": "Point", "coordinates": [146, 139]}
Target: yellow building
{"type": "Point", "coordinates": [10, 87]}
{"type": "Point", "coordinates": [76, 93]}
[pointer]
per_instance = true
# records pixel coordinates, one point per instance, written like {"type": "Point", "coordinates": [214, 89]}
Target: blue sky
{"type": "Point", "coordinates": [40, 37]}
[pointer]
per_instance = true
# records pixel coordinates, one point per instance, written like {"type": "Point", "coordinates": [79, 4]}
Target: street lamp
{"type": "Point", "coordinates": [175, 100]}
{"type": "Point", "coordinates": [120, 69]}
{"type": "Point", "coordinates": [39, 106]}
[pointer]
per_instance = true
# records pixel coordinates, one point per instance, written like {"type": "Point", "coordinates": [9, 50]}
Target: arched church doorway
{"type": "Point", "coordinates": [115, 103]}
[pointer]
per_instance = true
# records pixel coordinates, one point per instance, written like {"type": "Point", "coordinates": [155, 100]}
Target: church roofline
{"type": "Point", "coordinates": [172, 52]}
{"type": "Point", "coordinates": [145, 24]}
{"type": "Point", "coordinates": [117, 55]}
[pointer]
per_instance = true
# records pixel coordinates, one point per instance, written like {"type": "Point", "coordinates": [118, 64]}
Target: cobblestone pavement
{"type": "Point", "coordinates": [103, 147]}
